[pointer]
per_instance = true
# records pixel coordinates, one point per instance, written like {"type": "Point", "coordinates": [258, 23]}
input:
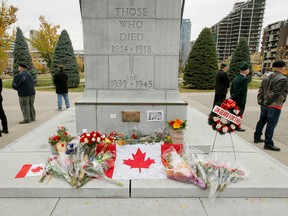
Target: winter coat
{"type": "Point", "coordinates": [61, 82]}
{"type": "Point", "coordinates": [273, 90]}
{"type": "Point", "coordinates": [221, 82]}
{"type": "Point", "coordinates": [239, 90]}
{"type": "Point", "coordinates": [24, 84]}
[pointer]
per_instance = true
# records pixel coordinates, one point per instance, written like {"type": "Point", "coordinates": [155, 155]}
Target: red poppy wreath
{"type": "Point", "coordinates": [226, 117]}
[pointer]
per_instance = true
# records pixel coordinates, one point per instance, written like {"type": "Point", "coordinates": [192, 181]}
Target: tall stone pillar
{"type": "Point", "coordinates": [131, 50]}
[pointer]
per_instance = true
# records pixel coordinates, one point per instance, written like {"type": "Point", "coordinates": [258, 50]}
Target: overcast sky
{"type": "Point", "coordinates": [66, 13]}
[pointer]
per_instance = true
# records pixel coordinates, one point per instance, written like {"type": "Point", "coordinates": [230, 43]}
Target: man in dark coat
{"type": "Point", "coordinates": [24, 84]}
{"type": "Point", "coordinates": [239, 90]}
{"type": "Point", "coordinates": [61, 84]}
{"type": "Point", "coordinates": [221, 85]}
{"type": "Point", "coordinates": [271, 97]}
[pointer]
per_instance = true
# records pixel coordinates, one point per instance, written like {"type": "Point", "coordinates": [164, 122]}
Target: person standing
{"type": "Point", "coordinates": [221, 85]}
{"type": "Point", "coordinates": [239, 88]}
{"type": "Point", "coordinates": [24, 84]}
{"type": "Point", "coordinates": [2, 113]}
{"type": "Point", "coordinates": [61, 84]}
{"type": "Point", "coordinates": [271, 97]}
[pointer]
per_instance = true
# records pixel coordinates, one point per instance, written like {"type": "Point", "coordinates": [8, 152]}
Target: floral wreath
{"type": "Point", "coordinates": [221, 124]}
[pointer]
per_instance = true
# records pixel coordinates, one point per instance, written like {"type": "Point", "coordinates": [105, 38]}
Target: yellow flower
{"type": "Point", "coordinates": [176, 125]}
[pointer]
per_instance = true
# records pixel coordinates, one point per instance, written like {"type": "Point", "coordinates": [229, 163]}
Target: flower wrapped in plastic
{"type": "Point", "coordinates": [177, 169]}
{"type": "Point", "coordinates": [217, 175]}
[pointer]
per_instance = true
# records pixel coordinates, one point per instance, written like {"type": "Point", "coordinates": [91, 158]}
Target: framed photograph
{"type": "Point", "coordinates": [155, 115]}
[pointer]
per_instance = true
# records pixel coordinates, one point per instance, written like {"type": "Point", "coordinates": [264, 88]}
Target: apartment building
{"type": "Point", "coordinates": [274, 43]}
{"type": "Point", "coordinates": [245, 20]}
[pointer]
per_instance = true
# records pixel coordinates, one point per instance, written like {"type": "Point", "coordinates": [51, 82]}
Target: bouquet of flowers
{"type": "Point", "coordinates": [77, 170]}
{"type": "Point", "coordinates": [177, 124]}
{"type": "Point", "coordinates": [62, 135]}
{"type": "Point", "coordinates": [216, 175]}
{"type": "Point", "coordinates": [177, 169]}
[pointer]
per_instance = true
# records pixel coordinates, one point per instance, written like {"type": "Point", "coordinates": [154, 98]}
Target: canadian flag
{"type": "Point", "coordinates": [29, 170]}
{"type": "Point", "coordinates": [139, 161]}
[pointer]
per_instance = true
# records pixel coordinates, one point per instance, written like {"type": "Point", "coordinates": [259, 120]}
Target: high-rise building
{"type": "Point", "coordinates": [274, 43]}
{"type": "Point", "coordinates": [245, 20]}
{"type": "Point", "coordinates": [185, 35]}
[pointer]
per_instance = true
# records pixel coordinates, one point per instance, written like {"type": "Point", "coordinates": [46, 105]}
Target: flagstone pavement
{"type": "Point", "coordinates": [265, 192]}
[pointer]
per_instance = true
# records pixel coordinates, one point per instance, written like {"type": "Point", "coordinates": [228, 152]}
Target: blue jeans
{"type": "Point", "coordinates": [269, 116]}
{"type": "Point", "coordinates": [66, 99]}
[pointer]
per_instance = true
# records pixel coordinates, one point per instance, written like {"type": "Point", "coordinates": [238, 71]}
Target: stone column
{"type": "Point", "coordinates": [131, 50]}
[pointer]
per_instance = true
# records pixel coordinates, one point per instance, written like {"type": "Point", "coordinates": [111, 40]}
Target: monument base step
{"type": "Point", "coordinates": [267, 178]}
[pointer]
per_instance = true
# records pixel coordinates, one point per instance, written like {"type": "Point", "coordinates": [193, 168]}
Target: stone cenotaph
{"type": "Point", "coordinates": [131, 50]}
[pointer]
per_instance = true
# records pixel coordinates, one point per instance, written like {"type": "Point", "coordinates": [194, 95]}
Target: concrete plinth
{"type": "Point", "coordinates": [131, 53]}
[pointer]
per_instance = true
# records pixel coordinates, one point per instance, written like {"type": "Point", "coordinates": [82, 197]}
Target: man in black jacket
{"type": "Point", "coordinates": [271, 97]}
{"type": "Point", "coordinates": [221, 85]}
{"type": "Point", "coordinates": [24, 84]}
{"type": "Point", "coordinates": [61, 84]}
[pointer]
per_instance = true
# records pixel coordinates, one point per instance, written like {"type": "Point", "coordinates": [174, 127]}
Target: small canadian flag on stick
{"type": "Point", "coordinates": [29, 170]}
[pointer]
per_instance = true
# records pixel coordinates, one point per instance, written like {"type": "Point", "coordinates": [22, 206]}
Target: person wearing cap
{"type": "Point", "coordinates": [24, 84]}
{"type": "Point", "coordinates": [271, 97]}
{"type": "Point", "coordinates": [238, 90]}
{"type": "Point", "coordinates": [222, 84]}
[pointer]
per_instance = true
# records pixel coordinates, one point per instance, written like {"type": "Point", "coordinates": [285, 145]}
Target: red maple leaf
{"type": "Point", "coordinates": [37, 169]}
{"type": "Point", "coordinates": [139, 161]}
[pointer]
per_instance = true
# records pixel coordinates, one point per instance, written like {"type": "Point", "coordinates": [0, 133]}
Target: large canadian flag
{"type": "Point", "coordinates": [30, 170]}
{"type": "Point", "coordinates": [139, 161]}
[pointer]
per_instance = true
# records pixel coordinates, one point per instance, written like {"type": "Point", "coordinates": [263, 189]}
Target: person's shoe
{"type": "Point", "coordinates": [5, 131]}
{"type": "Point", "coordinates": [272, 148]}
{"type": "Point", "coordinates": [24, 122]}
{"type": "Point", "coordinates": [259, 140]}
{"type": "Point", "coordinates": [240, 129]}
{"type": "Point", "coordinates": [59, 109]}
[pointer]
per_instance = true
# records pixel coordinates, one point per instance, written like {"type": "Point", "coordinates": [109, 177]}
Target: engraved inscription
{"type": "Point", "coordinates": [131, 37]}
{"type": "Point", "coordinates": [132, 12]}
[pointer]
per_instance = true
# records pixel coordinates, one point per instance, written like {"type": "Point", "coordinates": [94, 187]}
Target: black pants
{"type": "Point", "coordinates": [3, 116]}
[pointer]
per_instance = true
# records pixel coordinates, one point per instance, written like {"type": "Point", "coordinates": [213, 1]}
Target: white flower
{"type": "Point", "coordinates": [233, 126]}
{"type": "Point", "coordinates": [236, 111]}
{"type": "Point", "coordinates": [225, 129]}
{"type": "Point", "coordinates": [93, 139]}
{"type": "Point", "coordinates": [224, 121]}
{"type": "Point", "coordinates": [86, 140]}
{"type": "Point", "coordinates": [216, 118]}
{"type": "Point", "coordinates": [218, 126]}
{"type": "Point", "coordinates": [88, 134]}
{"type": "Point", "coordinates": [98, 139]}
{"type": "Point", "coordinates": [103, 136]}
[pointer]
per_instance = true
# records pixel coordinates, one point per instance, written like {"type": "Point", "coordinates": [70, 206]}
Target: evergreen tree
{"type": "Point", "coordinates": [240, 55]}
{"type": "Point", "coordinates": [64, 55]}
{"type": "Point", "coordinates": [21, 55]}
{"type": "Point", "coordinates": [202, 64]}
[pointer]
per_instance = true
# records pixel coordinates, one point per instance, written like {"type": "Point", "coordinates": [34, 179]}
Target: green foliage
{"type": "Point", "coordinates": [240, 55]}
{"type": "Point", "coordinates": [21, 55]}
{"type": "Point", "coordinates": [45, 40]}
{"type": "Point", "coordinates": [7, 19]}
{"type": "Point", "coordinates": [199, 72]}
{"type": "Point", "coordinates": [64, 55]}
